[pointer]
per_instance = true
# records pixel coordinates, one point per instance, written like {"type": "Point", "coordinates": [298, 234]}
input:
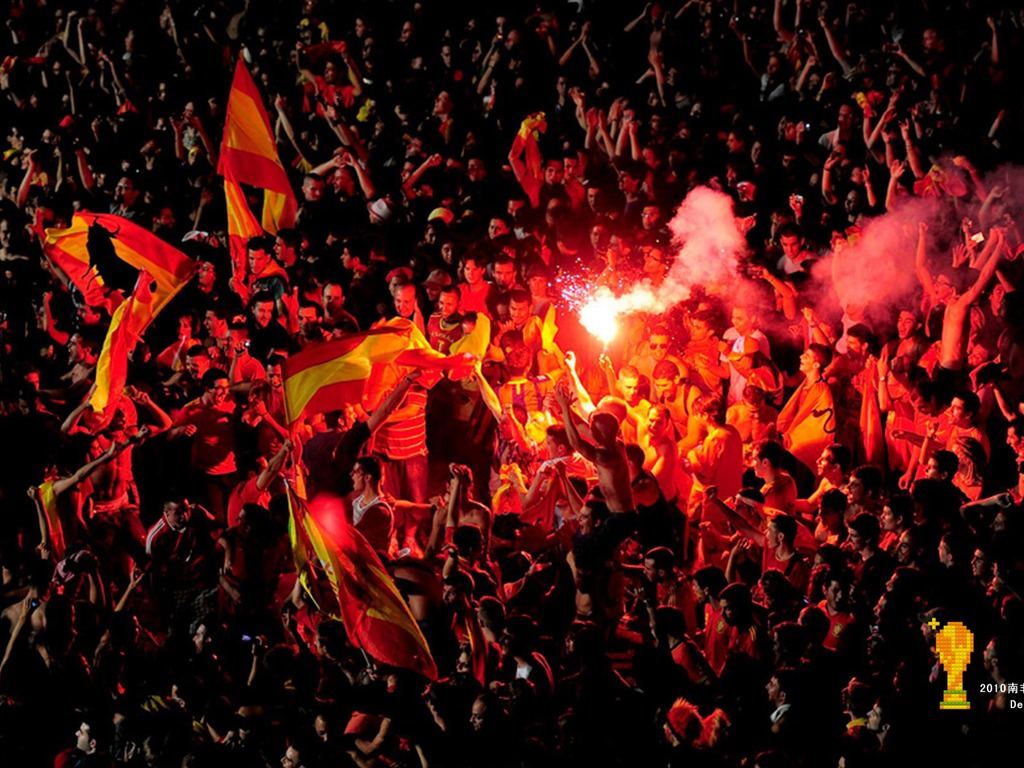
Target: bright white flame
{"type": "Point", "coordinates": [600, 316]}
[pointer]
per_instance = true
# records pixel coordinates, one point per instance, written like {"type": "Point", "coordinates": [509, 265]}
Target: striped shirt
{"type": "Point", "coordinates": [405, 438]}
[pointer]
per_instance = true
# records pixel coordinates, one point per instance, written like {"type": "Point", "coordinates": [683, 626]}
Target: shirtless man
{"type": "Point", "coordinates": [655, 350]}
{"type": "Point", "coordinates": [607, 453]}
{"type": "Point", "coordinates": [82, 356]}
{"type": "Point", "coordinates": [953, 346]}
{"type": "Point", "coordinates": [660, 453]}
{"type": "Point", "coordinates": [61, 523]}
{"type": "Point", "coordinates": [114, 502]}
{"type": "Point", "coordinates": [678, 395]}
{"type": "Point", "coordinates": [625, 384]}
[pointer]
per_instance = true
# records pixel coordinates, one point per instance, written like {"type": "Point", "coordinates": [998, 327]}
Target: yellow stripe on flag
{"type": "Point", "coordinates": [48, 499]}
{"type": "Point", "coordinates": [246, 130]}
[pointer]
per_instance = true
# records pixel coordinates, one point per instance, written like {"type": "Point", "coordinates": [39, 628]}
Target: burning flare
{"type": "Point", "coordinates": [600, 316]}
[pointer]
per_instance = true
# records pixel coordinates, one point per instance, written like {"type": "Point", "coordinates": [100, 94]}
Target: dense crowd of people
{"type": "Point", "coordinates": [729, 537]}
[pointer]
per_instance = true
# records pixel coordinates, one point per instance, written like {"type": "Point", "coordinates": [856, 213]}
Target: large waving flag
{"type": "Point", "coordinates": [376, 616]}
{"type": "Point", "coordinates": [248, 155]}
{"type": "Point", "coordinates": [102, 254]}
{"type": "Point", "coordinates": [357, 368]}
{"type": "Point", "coordinates": [126, 328]}
{"type": "Point", "coordinates": [126, 269]}
{"type": "Point", "coordinates": [323, 376]}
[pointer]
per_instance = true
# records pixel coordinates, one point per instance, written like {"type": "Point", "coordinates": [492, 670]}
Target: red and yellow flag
{"type": "Point", "coordinates": [312, 560]}
{"type": "Point", "coordinates": [99, 248]}
{"type": "Point", "coordinates": [871, 424]}
{"type": "Point", "coordinates": [48, 501]}
{"type": "Point", "coordinates": [807, 422]}
{"type": "Point", "coordinates": [419, 354]}
{"type": "Point", "coordinates": [126, 328]}
{"type": "Point", "coordinates": [107, 257]}
{"type": "Point", "coordinates": [376, 616]}
{"type": "Point", "coordinates": [248, 155]}
{"type": "Point", "coordinates": [324, 376]}
{"type": "Point", "coordinates": [242, 225]}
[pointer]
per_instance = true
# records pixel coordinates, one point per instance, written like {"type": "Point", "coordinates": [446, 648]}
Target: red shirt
{"type": "Point", "coordinates": [213, 445]}
{"type": "Point", "coordinates": [716, 638]}
{"type": "Point", "coordinates": [442, 337]}
{"type": "Point", "coordinates": [474, 300]}
{"type": "Point", "coordinates": [795, 569]}
{"type": "Point", "coordinates": [687, 655]}
{"type": "Point", "coordinates": [838, 624]}
{"type": "Point", "coordinates": [745, 641]}
{"type": "Point", "coordinates": [245, 493]}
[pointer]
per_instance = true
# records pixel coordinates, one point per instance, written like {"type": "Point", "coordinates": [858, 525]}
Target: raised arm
{"type": "Point", "coordinates": [286, 125]}
{"type": "Point", "coordinates": [66, 484]}
{"type": "Point", "coordinates": [896, 170]}
{"type": "Point", "coordinates": [785, 292]}
{"type": "Point", "coordinates": [748, 54]}
{"type": "Point", "coordinates": [44, 527]}
{"type": "Point", "coordinates": [26, 180]}
{"type": "Point", "coordinates": [735, 519]}
{"type": "Point", "coordinates": [871, 134]}
{"type": "Point", "coordinates": [920, 267]}
{"type": "Point", "coordinates": [581, 446]}
{"type": "Point", "coordinates": [990, 257]}
{"type": "Point", "coordinates": [636, 22]}
{"type": "Point", "coordinates": [583, 398]}
{"type": "Point", "coordinates": [833, 45]}
{"type": "Point", "coordinates": [274, 466]}
{"type": "Point", "coordinates": [490, 397]}
{"type": "Point", "coordinates": [961, 161]}
{"type": "Point", "coordinates": [564, 59]}
{"type": "Point", "coordinates": [913, 155]}
{"type": "Point", "coordinates": [785, 35]}
{"type": "Point", "coordinates": [163, 420]}
{"type": "Point", "coordinates": [910, 62]}
{"type": "Point", "coordinates": [409, 186]}
{"type": "Point", "coordinates": [827, 187]}
{"type": "Point", "coordinates": [362, 175]}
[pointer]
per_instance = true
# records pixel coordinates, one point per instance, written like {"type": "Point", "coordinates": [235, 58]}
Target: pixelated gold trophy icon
{"type": "Point", "coordinates": [955, 643]}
